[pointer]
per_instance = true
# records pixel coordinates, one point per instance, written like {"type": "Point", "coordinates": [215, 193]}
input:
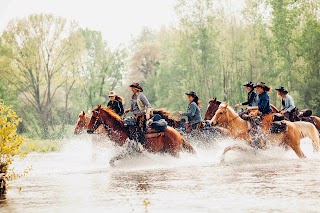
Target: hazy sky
{"type": "Point", "coordinates": [116, 19]}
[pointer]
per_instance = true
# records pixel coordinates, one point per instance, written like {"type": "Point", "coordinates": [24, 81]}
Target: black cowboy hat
{"type": "Point", "coordinates": [263, 86]}
{"type": "Point", "coordinates": [191, 93]}
{"type": "Point", "coordinates": [136, 85]}
{"type": "Point", "coordinates": [282, 89]}
{"type": "Point", "coordinates": [249, 84]}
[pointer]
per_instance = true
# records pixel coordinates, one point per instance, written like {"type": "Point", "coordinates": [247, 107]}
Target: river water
{"type": "Point", "coordinates": [79, 179]}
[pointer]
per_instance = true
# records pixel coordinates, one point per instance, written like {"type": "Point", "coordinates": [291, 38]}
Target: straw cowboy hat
{"type": "Point", "coordinates": [137, 86]}
{"type": "Point", "coordinates": [282, 89]}
{"type": "Point", "coordinates": [263, 86]}
{"type": "Point", "coordinates": [112, 94]}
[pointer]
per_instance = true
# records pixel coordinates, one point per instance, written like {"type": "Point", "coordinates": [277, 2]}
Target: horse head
{"type": "Point", "coordinates": [212, 108]}
{"type": "Point", "coordinates": [95, 120]}
{"type": "Point", "coordinates": [221, 115]}
{"type": "Point", "coordinates": [81, 123]}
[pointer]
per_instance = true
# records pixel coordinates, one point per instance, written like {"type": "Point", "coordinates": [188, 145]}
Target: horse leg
{"type": "Point", "coordinates": [118, 157]}
{"type": "Point", "coordinates": [229, 148]}
{"type": "Point", "coordinates": [294, 143]}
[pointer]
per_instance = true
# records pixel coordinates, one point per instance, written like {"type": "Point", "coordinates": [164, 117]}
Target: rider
{"type": "Point", "coordinates": [264, 109]}
{"type": "Point", "coordinates": [264, 100]}
{"type": "Point", "coordinates": [115, 103]}
{"type": "Point", "coordinates": [141, 108]}
{"type": "Point", "coordinates": [288, 108]}
{"type": "Point", "coordinates": [193, 113]}
{"type": "Point", "coordinates": [251, 101]}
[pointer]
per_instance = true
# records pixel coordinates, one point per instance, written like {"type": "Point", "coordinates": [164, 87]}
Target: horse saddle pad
{"type": "Point", "coordinates": [306, 112]}
{"type": "Point", "coordinates": [152, 133]}
{"type": "Point", "coordinates": [278, 127]}
{"type": "Point", "coordinates": [130, 122]}
{"type": "Point", "coordinates": [278, 117]}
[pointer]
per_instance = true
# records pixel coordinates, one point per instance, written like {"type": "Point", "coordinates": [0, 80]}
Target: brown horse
{"type": "Point", "coordinates": [214, 105]}
{"type": "Point", "coordinates": [83, 122]}
{"type": "Point", "coordinates": [167, 116]}
{"type": "Point", "coordinates": [170, 142]}
{"type": "Point", "coordinates": [240, 128]}
{"type": "Point", "coordinates": [212, 108]}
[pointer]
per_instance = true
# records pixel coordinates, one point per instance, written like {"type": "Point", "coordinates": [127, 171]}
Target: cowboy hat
{"type": "Point", "coordinates": [263, 86]}
{"type": "Point", "coordinates": [112, 93]}
{"type": "Point", "coordinates": [249, 84]}
{"type": "Point", "coordinates": [282, 89]}
{"type": "Point", "coordinates": [192, 93]}
{"type": "Point", "coordinates": [137, 86]}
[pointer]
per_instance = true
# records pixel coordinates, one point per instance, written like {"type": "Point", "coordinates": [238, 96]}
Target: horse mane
{"type": "Point", "coordinates": [112, 113]}
{"type": "Point", "coordinates": [274, 108]}
{"type": "Point", "coordinates": [163, 112]}
{"type": "Point", "coordinates": [223, 104]}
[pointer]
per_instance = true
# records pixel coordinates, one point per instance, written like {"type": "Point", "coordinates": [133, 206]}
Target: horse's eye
{"type": "Point", "coordinates": [220, 113]}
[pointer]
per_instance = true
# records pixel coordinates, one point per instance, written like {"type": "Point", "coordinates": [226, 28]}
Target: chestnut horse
{"type": "Point", "coordinates": [214, 105]}
{"type": "Point", "coordinates": [171, 142]}
{"type": "Point", "coordinates": [212, 108]}
{"type": "Point", "coordinates": [240, 128]}
{"type": "Point", "coordinates": [83, 122]}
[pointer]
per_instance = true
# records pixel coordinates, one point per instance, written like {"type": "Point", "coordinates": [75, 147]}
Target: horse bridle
{"type": "Point", "coordinates": [225, 122]}
{"type": "Point", "coordinates": [94, 126]}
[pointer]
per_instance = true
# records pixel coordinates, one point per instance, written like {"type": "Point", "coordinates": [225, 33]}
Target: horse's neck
{"type": "Point", "coordinates": [236, 124]}
{"type": "Point", "coordinates": [87, 119]}
{"type": "Point", "coordinates": [115, 126]}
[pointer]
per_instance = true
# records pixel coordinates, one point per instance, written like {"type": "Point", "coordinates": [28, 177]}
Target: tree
{"type": "Point", "coordinates": [42, 46]}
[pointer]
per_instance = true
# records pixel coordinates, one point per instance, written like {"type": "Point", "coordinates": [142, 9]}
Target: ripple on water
{"type": "Point", "coordinates": [80, 179]}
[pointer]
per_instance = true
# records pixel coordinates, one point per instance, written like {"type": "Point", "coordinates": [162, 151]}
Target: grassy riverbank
{"type": "Point", "coordinates": [39, 145]}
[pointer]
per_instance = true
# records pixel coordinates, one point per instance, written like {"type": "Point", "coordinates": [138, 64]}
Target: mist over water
{"type": "Point", "coordinates": [79, 179]}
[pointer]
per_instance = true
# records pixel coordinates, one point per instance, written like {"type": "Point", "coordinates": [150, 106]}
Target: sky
{"type": "Point", "coordinates": [118, 20]}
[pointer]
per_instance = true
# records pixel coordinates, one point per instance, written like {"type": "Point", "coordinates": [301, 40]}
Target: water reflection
{"type": "Point", "coordinates": [191, 184]}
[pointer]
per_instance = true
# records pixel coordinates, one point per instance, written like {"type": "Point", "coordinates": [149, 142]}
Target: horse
{"type": "Point", "coordinates": [83, 122]}
{"type": "Point", "coordinates": [169, 142]}
{"type": "Point", "coordinates": [212, 108]}
{"type": "Point", "coordinates": [166, 115]}
{"type": "Point", "coordinates": [214, 105]}
{"type": "Point", "coordinates": [315, 120]}
{"type": "Point", "coordinates": [240, 128]}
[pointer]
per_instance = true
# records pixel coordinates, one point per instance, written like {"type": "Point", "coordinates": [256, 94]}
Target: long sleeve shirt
{"type": "Point", "coordinates": [264, 103]}
{"type": "Point", "coordinates": [288, 104]}
{"type": "Point", "coordinates": [193, 113]}
{"type": "Point", "coordinates": [251, 99]}
{"type": "Point", "coordinates": [142, 99]}
{"type": "Point", "coordinates": [116, 106]}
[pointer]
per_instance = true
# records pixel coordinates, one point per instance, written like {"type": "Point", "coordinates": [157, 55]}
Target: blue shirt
{"type": "Point", "coordinates": [193, 113]}
{"type": "Point", "coordinates": [288, 103]}
{"type": "Point", "coordinates": [264, 103]}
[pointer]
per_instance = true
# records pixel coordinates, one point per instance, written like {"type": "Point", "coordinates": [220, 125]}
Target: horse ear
{"type": "Point", "coordinates": [214, 99]}
{"type": "Point", "coordinates": [99, 106]}
{"type": "Point", "coordinates": [83, 113]}
{"type": "Point", "coordinates": [227, 105]}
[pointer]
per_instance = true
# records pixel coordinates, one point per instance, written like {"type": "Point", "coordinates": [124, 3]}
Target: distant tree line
{"type": "Point", "coordinates": [51, 69]}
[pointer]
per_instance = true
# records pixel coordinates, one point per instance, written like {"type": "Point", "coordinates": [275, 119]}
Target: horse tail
{"type": "Point", "coordinates": [309, 130]}
{"type": "Point", "coordinates": [187, 146]}
{"type": "Point", "coordinates": [316, 122]}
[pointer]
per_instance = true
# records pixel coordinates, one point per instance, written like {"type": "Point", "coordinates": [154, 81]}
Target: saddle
{"type": "Point", "coordinates": [278, 127]}
{"type": "Point", "coordinates": [153, 133]}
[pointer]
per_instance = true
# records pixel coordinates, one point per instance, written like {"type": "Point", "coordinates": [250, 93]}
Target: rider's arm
{"type": "Point", "coordinates": [191, 110]}
{"type": "Point", "coordinates": [290, 103]}
{"type": "Point", "coordinates": [121, 108]}
{"type": "Point", "coordinates": [147, 104]}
